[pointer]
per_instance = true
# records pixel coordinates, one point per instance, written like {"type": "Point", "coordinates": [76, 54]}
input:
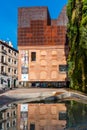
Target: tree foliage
{"type": "Point", "coordinates": [77, 35]}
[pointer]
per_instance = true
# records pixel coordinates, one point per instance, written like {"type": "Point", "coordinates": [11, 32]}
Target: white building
{"type": "Point", "coordinates": [8, 65]}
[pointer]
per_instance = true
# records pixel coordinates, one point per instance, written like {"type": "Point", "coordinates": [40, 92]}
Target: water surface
{"type": "Point", "coordinates": [63, 115]}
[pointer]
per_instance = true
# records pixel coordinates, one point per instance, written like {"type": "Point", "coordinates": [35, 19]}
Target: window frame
{"type": "Point", "coordinates": [33, 56]}
{"type": "Point", "coordinates": [63, 68]}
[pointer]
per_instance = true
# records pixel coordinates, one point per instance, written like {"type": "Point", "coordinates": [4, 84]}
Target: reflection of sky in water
{"type": "Point", "coordinates": [39, 116]}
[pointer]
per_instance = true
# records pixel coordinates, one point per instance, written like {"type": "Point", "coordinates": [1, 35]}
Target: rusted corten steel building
{"type": "Point", "coordinates": [42, 46]}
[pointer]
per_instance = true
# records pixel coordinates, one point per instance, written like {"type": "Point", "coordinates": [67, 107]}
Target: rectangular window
{"type": "Point", "coordinates": [63, 68]}
{"type": "Point", "coordinates": [9, 59]}
{"type": "Point", "coordinates": [2, 81]}
{"type": "Point", "coordinates": [14, 113]}
{"type": "Point", "coordinates": [15, 53]}
{"type": "Point", "coordinates": [2, 59]}
{"type": "Point", "coordinates": [33, 56]}
{"type": "Point", "coordinates": [8, 124]}
{"type": "Point", "coordinates": [15, 71]}
{"type": "Point", "coordinates": [62, 115]}
{"type": "Point", "coordinates": [2, 47]}
{"type": "Point", "coordinates": [9, 69]}
{"type": "Point", "coordinates": [32, 126]}
{"type": "Point", "coordinates": [15, 62]}
{"type": "Point", "coordinates": [1, 126]}
{"type": "Point", "coordinates": [9, 50]}
{"type": "Point", "coordinates": [8, 114]}
{"type": "Point", "coordinates": [14, 122]}
{"type": "Point", "coordinates": [2, 69]}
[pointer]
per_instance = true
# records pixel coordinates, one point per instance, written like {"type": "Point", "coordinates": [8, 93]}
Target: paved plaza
{"type": "Point", "coordinates": [19, 91]}
{"type": "Point", "coordinates": [25, 93]}
{"type": "Point", "coordinates": [37, 94]}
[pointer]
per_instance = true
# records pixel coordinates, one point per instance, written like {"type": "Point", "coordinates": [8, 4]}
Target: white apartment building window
{"type": "Point", "coordinates": [15, 71]}
{"type": "Point", "coordinates": [15, 53]}
{"type": "Point", "coordinates": [9, 50]}
{"type": "Point", "coordinates": [2, 59]}
{"type": "Point", "coordinates": [8, 124]}
{"type": "Point", "coordinates": [2, 47]}
{"type": "Point", "coordinates": [14, 113]}
{"type": "Point", "coordinates": [14, 123]}
{"type": "Point", "coordinates": [2, 69]}
{"type": "Point", "coordinates": [15, 62]}
{"type": "Point", "coordinates": [9, 69]}
{"type": "Point", "coordinates": [1, 126]}
{"type": "Point", "coordinates": [9, 60]}
{"type": "Point", "coordinates": [8, 114]}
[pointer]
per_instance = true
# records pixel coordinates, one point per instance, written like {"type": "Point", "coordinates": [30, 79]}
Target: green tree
{"type": "Point", "coordinates": [77, 35]}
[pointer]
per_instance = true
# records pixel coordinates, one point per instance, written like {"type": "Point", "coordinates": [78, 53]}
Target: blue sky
{"type": "Point", "coordinates": [9, 15]}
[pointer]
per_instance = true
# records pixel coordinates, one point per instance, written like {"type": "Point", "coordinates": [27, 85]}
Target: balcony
{"type": "Point", "coordinates": [4, 62]}
{"type": "Point", "coordinates": [4, 51]}
{"type": "Point", "coordinates": [4, 73]}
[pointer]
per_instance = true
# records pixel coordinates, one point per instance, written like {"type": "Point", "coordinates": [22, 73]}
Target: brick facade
{"type": "Point", "coordinates": [38, 33]}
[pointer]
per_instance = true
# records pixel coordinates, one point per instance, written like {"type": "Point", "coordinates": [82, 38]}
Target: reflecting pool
{"type": "Point", "coordinates": [64, 115]}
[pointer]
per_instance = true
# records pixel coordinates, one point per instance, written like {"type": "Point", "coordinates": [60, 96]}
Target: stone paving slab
{"type": "Point", "coordinates": [31, 90]}
{"type": "Point", "coordinates": [31, 94]}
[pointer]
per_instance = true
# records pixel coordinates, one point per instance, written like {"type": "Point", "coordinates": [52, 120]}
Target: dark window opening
{"type": "Point", "coordinates": [9, 69]}
{"type": "Point", "coordinates": [33, 56]}
{"type": "Point", "coordinates": [14, 123]}
{"type": "Point", "coordinates": [9, 60]}
{"type": "Point", "coordinates": [2, 81]}
{"type": "Point", "coordinates": [15, 62]}
{"type": "Point", "coordinates": [32, 126]}
{"type": "Point", "coordinates": [15, 53]}
{"type": "Point", "coordinates": [2, 47]}
{"type": "Point", "coordinates": [8, 115]}
{"type": "Point", "coordinates": [8, 125]}
{"type": "Point", "coordinates": [2, 59]}
{"type": "Point", "coordinates": [2, 68]}
{"type": "Point", "coordinates": [63, 68]}
{"type": "Point", "coordinates": [9, 51]}
{"type": "Point", "coordinates": [62, 115]}
{"type": "Point", "coordinates": [0, 126]}
{"type": "Point", "coordinates": [14, 113]}
{"type": "Point", "coordinates": [14, 71]}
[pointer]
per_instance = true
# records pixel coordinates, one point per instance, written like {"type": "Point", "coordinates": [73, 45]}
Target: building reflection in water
{"type": "Point", "coordinates": [8, 117]}
{"type": "Point", "coordinates": [41, 116]}
{"type": "Point", "coordinates": [33, 117]}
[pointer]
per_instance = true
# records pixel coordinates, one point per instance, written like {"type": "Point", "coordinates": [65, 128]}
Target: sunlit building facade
{"type": "Point", "coordinates": [8, 65]}
{"type": "Point", "coordinates": [43, 48]}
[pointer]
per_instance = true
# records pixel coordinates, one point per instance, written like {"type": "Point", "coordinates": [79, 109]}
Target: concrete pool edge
{"type": "Point", "coordinates": [48, 94]}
